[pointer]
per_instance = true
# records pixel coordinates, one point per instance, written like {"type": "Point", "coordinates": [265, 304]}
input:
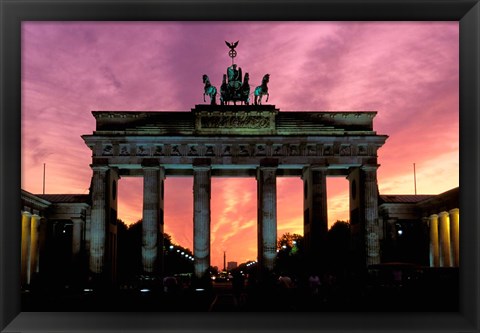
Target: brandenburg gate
{"type": "Point", "coordinates": [233, 141]}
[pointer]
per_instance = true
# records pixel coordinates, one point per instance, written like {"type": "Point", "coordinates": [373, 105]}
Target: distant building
{"type": "Point", "coordinates": [231, 265]}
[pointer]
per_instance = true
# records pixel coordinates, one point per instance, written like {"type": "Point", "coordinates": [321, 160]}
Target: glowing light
{"type": "Point", "coordinates": [144, 290]}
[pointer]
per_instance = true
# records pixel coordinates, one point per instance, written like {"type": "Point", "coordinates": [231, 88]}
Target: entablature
{"type": "Point", "coordinates": [233, 120]}
{"type": "Point", "coordinates": [240, 148]}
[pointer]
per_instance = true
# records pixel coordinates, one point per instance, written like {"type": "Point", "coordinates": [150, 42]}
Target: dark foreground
{"type": "Point", "coordinates": [438, 292]}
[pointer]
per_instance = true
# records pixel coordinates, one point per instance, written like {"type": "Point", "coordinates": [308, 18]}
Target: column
{"type": "Point", "coordinates": [267, 216]}
{"type": "Point", "coordinates": [152, 226]}
{"type": "Point", "coordinates": [88, 220]}
{"type": "Point", "coordinates": [370, 214]}
{"type": "Point", "coordinates": [315, 212]}
{"type": "Point", "coordinates": [34, 246]}
{"type": "Point", "coordinates": [444, 238]}
{"type": "Point", "coordinates": [455, 235]}
{"type": "Point", "coordinates": [25, 255]}
{"type": "Point", "coordinates": [98, 222]}
{"type": "Point", "coordinates": [201, 219]}
{"type": "Point", "coordinates": [41, 244]}
{"type": "Point", "coordinates": [434, 246]}
{"type": "Point", "coordinates": [76, 238]}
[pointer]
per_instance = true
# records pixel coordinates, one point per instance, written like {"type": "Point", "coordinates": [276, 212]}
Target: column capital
{"type": "Point", "coordinates": [151, 167]}
{"type": "Point", "coordinates": [77, 220]}
{"type": "Point", "coordinates": [433, 216]}
{"type": "Point", "coordinates": [202, 168]}
{"type": "Point", "coordinates": [267, 168]}
{"type": "Point", "coordinates": [202, 163]}
{"type": "Point", "coordinates": [26, 213]}
{"type": "Point", "coordinates": [101, 168]}
{"type": "Point", "coordinates": [370, 167]}
{"type": "Point", "coordinates": [269, 163]}
{"type": "Point", "coordinates": [261, 169]}
{"type": "Point", "coordinates": [454, 211]}
{"type": "Point", "coordinates": [35, 216]}
{"type": "Point", "coordinates": [150, 163]}
{"type": "Point", "coordinates": [318, 167]}
{"type": "Point", "coordinates": [443, 214]}
{"type": "Point", "coordinates": [314, 167]}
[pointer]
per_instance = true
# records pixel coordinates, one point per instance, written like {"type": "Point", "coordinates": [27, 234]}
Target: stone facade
{"type": "Point", "coordinates": [254, 141]}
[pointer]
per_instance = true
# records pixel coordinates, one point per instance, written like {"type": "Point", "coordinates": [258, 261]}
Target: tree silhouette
{"type": "Point", "coordinates": [338, 247]}
{"type": "Point", "coordinates": [177, 259]}
{"type": "Point", "coordinates": [290, 255]}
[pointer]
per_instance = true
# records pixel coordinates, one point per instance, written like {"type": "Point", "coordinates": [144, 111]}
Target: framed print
{"type": "Point", "coordinates": [293, 126]}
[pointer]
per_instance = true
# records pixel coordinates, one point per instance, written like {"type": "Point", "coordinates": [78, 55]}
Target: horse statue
{"type": "Point", "coordinates": [245, 90]}
{"type": "Point", "coordinates": [209, 90]}
{"type": "Point", "coordinates": [262, 90]}
{"type": "Point", "coordinates": [224, 90]}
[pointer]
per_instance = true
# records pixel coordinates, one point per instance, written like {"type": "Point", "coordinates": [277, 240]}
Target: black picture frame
{"type": "Point", "coordinates": [13, 12]}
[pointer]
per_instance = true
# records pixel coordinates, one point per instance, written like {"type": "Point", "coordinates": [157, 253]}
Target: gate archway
{"type": "Point", "coordinates": [234, 140]}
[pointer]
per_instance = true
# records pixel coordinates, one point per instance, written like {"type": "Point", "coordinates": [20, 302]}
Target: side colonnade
{"type": "Point", "coordinates": [445, 238]}
{"type": "Point", "coordinates": [33, 239]}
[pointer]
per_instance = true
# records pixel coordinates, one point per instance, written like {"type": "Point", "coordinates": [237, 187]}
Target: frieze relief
{"type": "Point", "coordinates": [142, 150]}
{"type": "Point", "coordinates": [294, 150]}
{"type": "Point", "coordinates": [238, 122]}
{"type": "Point", "coordinates": [362, 150]}
{"type": "Point", "coordinates": [345, 150]}
{"type": "Point", "coordinates": [327, 150]}
{"type": "Point", "coordinates": [311, 150]}
{"type": "Point", "coordinates": [175, 150]}
{"type": "Point", "coordinates": [124, 150]}
{"type": "Point", "coordinates": [278, 150]}
{"type": "Point", "coordinates": [244, 150]}
{"type": "Point", "coordinates": [227, 150]}
{"type": "Point", "coordinates": [210, 150]}
{"type": "Point", "coordinates": [235, 121]}
{"type": "Point", "coordinates": [192, 150]}
{"type": "Point", "coordinates": [107, 150]}
{"type": "Point", "coordinates": [159, 150]}
{"type": "Point", "coordinates": [260, 150]}
{"type": "Point", "coordinates": [240, 150]}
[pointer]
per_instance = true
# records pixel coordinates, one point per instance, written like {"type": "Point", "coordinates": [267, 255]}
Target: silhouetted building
{"type": "Point", "coordinates": [231, 265]}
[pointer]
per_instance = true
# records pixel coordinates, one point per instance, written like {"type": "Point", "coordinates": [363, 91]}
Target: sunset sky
{"type": "Point", "coordinates": [406, 71]}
